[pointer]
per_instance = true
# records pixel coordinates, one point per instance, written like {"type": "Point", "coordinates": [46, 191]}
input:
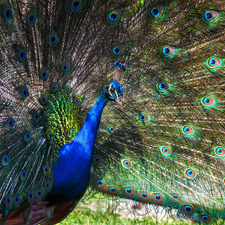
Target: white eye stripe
{"type": "Point", "coordinates": [116, 94]}
{"type": "Point", "coordinates": [109, 89]}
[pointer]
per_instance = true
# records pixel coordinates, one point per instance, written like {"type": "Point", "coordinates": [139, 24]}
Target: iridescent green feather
{"type": "Point", "coordinates": [62, 121]}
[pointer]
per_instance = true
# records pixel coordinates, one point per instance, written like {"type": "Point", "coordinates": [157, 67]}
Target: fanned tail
{"type": "Point", "coordinates": [166, 147]}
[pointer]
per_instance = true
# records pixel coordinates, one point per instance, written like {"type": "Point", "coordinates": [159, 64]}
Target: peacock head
{"type": "Point", "coordinates": [114, 90]}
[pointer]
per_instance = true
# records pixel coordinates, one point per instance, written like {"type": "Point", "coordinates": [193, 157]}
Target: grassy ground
{"type": "Point", "coordinates": [88, 217]}
{"type": "Point", "coordinates": [100, 212]}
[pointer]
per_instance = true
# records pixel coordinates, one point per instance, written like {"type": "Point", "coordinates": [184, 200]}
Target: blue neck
{"type": "Point", "coordinates": [88, 132]}
{"type": "Point", "coordinates": [72, 168]}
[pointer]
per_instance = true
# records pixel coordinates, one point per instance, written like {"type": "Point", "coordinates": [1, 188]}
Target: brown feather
{"type": "Point", "coordinates": [61, 211]}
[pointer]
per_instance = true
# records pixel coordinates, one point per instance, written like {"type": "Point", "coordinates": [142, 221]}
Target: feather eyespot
{"type": "Point", "coordinates": [188, 130]}
{"type": "Point", "coordinates": [48, 186]}
{"type": "Point", "coordinates": [166, 150]}
{"type": "Point", "coordinates": [52, 39]}
{"type": "Point", "coordinates": [67, 89]}
{"type": "Point", "coordinates": [4, 215]}
{"type": "Point", "coordinates": [10, 123]}
{"type": "Point", "coordinates": [8, 202]}
{"type": "Point", "coordinates": [168, 51]}
{"type": "Point", "coordinates": [112, 129]}
{"type": "Point", "coordinates": [98, 183]}
{"type": "Point", "coordinates": [190, 173]}
{"type": "Point", "coordinates": [43, 73]}
{"type": "Point", "coordinates": [162, 87]}
{"type": "Point", "coordinates": [77, 100]}
{"type": "Point", "coordinates": [126, 163]}
{"type": "Point", "coordinates": [156, 11]}
{"type": "Point", "coordinates": [96, 160]}
{"type": "Point", "coordinates": [30, 197]}
{"type": "Point", "coordinates": [31, 18]}
{"type": "Point", "coordinates": [220, 151]}
{"type": "Point", "coordinates": [111, 190]}
{"type": "Point", "coordinates": [17, 201]}
{"type": "Point", "coordinates": [43, 99]}
{"type": "Point", "coordinates": [157, 198]}
{"type": "Point", "coordinates": [204, 218]}
{"type": "Point", "coordinates": [7, 12]}
{"type": "Point", "coordinates": [143, 117]}
{"type": "Point", "coordinates": [24, 93]}
{"type": "Point", "coordinates": [143, 196]}
{"type": "Point", "coordinates": [54, 87]}
{"type": "Point", "coordinates": [21, 55]}
{"type": "Point", "coordinates": [46, 170]}
{"type": "Point", "coordinates": [210, 16]}
{"type": "Point", "coordinates": [175, 197]}
{"type": "Point", "coordinates": [114, 16]}
{"type": "Point", "coordinates": [117, 50]}
{"type": "Point", "coordinates": [65, 67]}
{"type": "Point", "coordinates": [128, 192]}
{"type": "Point", "coordinates": [208, 101]}
{"type": "Point", "coordinates": [214, 62]}
{"type": "Point", "coordinates": [35, 116]}
{"type": "Point", "coordinates": [27, 136]}
{"type": "Point", "coordinates": [187, 209]}
{"type": "Point", "coordinates": [23, 175]}
{"type": "Point", "coordinates": [76, 5]}
{"type": "Point", "coordinates": [5, 160]}
{"type": "Point", "coordinates": [39, 194]}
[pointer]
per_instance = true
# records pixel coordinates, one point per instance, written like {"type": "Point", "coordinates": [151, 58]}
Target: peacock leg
{"type": "Point", "coordinates": [27, 215]}
{"type": "Point", "coordinates": [48, 214]}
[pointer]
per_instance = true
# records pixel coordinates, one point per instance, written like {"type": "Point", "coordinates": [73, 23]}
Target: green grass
{"type": "Point", "coordinates": [88, 217]}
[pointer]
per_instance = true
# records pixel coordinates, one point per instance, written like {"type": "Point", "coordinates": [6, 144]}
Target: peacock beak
{"type": "Point", "coordinates": [119, 100]}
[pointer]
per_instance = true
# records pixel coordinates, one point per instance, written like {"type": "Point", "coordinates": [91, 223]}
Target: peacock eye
{"type": "Point", "coordinates": [112, 90]}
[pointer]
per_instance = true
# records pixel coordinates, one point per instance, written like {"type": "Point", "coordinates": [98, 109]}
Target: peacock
{"type": "Point", "coordinates": [123, 98]}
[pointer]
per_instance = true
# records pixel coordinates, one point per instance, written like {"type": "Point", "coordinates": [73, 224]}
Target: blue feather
{"type": "Point", "coordinates": [72, 168]}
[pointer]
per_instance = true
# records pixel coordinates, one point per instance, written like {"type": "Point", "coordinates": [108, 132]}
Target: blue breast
{"type": "Point", "coordinates": [72, 168]}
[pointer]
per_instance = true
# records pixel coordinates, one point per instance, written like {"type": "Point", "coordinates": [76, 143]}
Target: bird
{"type": "Point", "coordinates": [121, 98]}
